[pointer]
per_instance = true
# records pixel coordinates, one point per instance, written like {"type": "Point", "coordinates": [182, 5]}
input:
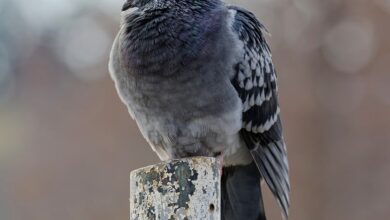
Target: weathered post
{"type": "Point", "coordinates": [187, 189]}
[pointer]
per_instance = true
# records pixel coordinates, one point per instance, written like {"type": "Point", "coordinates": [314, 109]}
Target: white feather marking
{"type": "Point", "coordinates": [267, 68]}
{"type": "Point", "coordinates": [253, 64]}
{"type": "Point", "coordinates": [259, 101]}
{"type": "Point", "coordinates": [247, 71]}
{"type": "Point", "coordinates": [247, 107]}
{"type": "Point", "coordinates": [255, 53]}
{"type": "Point", "coordinates": [248, 85]}
{"type": "Point", "coordinates": [254, 82]}
{"type": "Point", "coordinates": [252, 100]}
{"type": "Point", "coordinates": [258, 70]}
{"type": "Point", "coordinates": [248, 126]}
{"type": "Point", "coordinates": [267, 55]}
{"type": "Point", "coordinates": [261, 81]}
{"type": "Point", "coordinates": [269, 96]}
{"type": "Point", "coordinates": [232, 17]}
{"type": "Point", "coordinates": [273, 78]}
{"type": "Point", "coordinates": [241, 76]}
{"type": "Point", "coordinates": [246, 104]}
{"type": "Point", "coordinates": [262, 95]}
{"type": "Point", "coordinates": [268, 124]}
{"type": "Point", "coordinates": [246, 57]}
{"type": "Point", "coordinates": [262, 60]}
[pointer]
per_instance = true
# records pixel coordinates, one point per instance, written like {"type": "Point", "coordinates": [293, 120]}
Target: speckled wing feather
{"type": "Point", "coordinates": [255, 82]}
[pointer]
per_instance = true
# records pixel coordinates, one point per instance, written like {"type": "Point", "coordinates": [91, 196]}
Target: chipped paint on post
{"type": "Point", "coordinates": [185, 189]}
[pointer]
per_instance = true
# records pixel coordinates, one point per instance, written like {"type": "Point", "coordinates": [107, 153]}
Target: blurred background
{"type": "Point", "coordinates": [67, 144]}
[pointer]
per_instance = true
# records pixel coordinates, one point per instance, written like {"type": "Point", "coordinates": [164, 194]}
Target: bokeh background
{"type": "Point", "coordinates": [67, 144]}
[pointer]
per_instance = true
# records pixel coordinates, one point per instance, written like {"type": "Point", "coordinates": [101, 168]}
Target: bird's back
{"type": "Point", "coordinates": [174, 76]}
{"type": "Point", "coordinates": [177, 50]}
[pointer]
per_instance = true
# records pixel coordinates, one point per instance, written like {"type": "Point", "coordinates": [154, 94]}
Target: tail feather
{"type": "Point", "coordinates": [241, 193]}
{"type": "Point", "coordinates": [272, 163]}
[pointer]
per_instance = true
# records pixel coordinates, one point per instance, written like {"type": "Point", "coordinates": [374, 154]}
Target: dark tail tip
{"type": "Point", "coordinates": [241, 193]}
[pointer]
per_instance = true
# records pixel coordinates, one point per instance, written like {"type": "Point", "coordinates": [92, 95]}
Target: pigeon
{"type": "Point", "coordinates": [198, 79]}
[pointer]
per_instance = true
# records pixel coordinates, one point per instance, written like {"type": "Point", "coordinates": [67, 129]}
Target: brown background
{"type": "Point", "coordinates": [67, 144]}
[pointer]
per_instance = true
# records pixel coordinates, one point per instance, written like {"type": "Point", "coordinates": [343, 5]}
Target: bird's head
{"type": "Point", "coordinates": [138, 4]}
{"type": "Point", "coordinates": [144, 4]}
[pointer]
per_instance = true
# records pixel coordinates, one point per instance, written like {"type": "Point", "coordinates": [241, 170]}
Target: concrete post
{"type": "Point", "coordinates": [187, 189]}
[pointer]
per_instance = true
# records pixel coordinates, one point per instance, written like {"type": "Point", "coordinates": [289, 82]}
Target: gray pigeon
{"type": "Point", "coordinates": [197, 77]}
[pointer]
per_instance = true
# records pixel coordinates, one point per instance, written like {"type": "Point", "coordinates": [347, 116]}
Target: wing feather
{"type": "Point", "coordinates": [255, 82]}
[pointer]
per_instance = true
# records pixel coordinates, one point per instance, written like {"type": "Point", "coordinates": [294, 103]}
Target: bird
{"type": "Point", "coordinates": [198, 79]}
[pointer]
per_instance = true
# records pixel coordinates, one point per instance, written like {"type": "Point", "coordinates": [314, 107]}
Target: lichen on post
{"type": "Point", "coordinates": [187, 188]}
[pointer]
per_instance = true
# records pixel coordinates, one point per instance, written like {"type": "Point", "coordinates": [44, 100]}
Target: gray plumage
{"type": "Point", "coordinates": [197, 77]}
